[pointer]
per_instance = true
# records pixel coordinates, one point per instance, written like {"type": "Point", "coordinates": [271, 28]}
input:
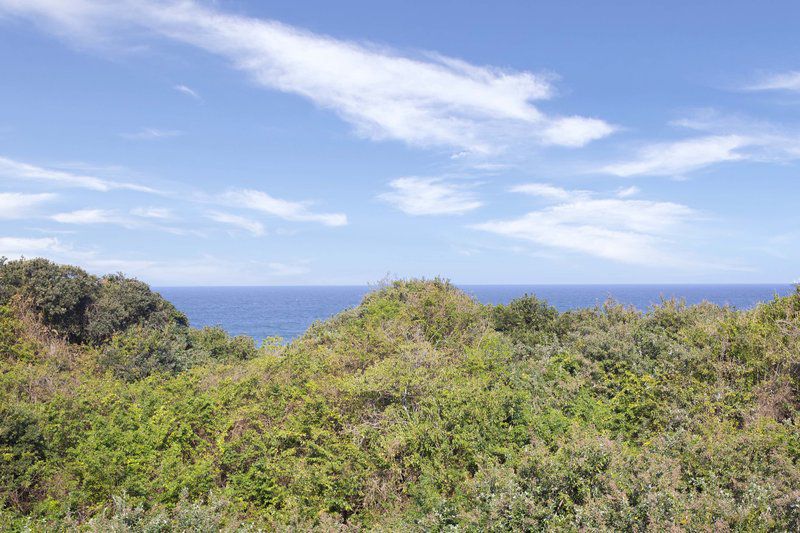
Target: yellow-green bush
{"type": "Point", "coordinates": [418, 410]}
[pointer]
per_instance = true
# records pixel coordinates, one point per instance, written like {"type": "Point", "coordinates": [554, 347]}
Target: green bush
{"type": "Point", "coordinates": [418, 410]}
{"type": "Point", "coordinates": [13, 344]}
{"type": "Point", "coordinates": [80, 306]}
{"type": "Point", "coordinates": [123, 302]}
{"type": "Point", "coordinates": [527, 320]}
{"type": "Point", "coordinates": [22, 451]}
{"type": "Point", "coordinates": [140, 351]}
{"type": "Point", "coordinates": [60, 294]}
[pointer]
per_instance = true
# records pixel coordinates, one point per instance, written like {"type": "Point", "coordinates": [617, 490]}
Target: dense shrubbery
{"type": "Point", "coordinates": [417, 410]}
{"type": "Point", "coordinates": [82, 307]}
{"type": "Point", "coordinates": [121, 303]}
{"type": "Point", "coordinates": [139, 351]}
{"type": "Point", "coordinates": [59, 294]}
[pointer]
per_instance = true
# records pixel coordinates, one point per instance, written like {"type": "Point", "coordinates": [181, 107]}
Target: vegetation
{"type": "Point", "coordinates": [417, 410]}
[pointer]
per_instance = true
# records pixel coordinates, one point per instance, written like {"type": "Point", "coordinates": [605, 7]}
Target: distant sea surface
{"type": "Point", "coordinates": [287, 312]}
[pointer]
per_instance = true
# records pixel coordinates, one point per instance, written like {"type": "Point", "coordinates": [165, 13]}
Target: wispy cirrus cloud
{"type": "Point", "coordinates": [285, 209]}
{"type": "Point", "coordinates": [21, 205]}
{"type": "Point", "coordinates": [254, 227]}
{"type": "Point", "coordinates": [627, 192]}
{"type": "Point", "coordinates": [283, 269]}
{"type": "Point", "coordinates": [549, 192]}
{"type": "Point", "coordinates": [188, 91]}
{"type": "Point", "coordinates": [722, 138]}
{"type": "Point", "coordinates": [626, 231]}
{"type": "Point", "coordinates": [421, 99]}
{"type": "Point", "coordinates": [678, 158]}
{"type": "Point", "coordinates": [90, 216]}
{"type": "Point", "coordinates": [782, 81]}
{"type": "Point", "coordinates": [151, 134]}
{"type": "Point", "coordinates": [15, 247]}
{"type": "Point", "coordinates": [205, 269]}
{"type": "Point", "coordinates": [17, 170]}
{"type": "Point", "coordinates": [160, 213]}
{"type": "Point", "coordinates": [429, 196]}
{"type": "Point", "coordinates": [135, 219]}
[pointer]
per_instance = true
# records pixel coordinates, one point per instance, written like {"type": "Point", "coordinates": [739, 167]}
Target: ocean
{"type": "Point", "coordinates": [286, 312]}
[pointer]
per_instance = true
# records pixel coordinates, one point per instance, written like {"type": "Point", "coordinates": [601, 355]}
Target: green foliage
{"type": "Point", "coordinates": [22, 447]}
{"type": "Point", "coordinates": [80, 306]}
{"type": "Point", "coordinates": [13, 344]}
{"type": "Point", "coordinates": [418, 410]}
{"type": "Point", "coordinates": [140, 350]}
{"type": "Point", "coordinates": [60, 294]}
{"type": "Point", "coordinates": [527, 320]}
{"type": "Point", "coordinates": [122, 302]}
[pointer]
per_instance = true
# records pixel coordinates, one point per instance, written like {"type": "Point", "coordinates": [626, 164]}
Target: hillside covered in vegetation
{"type": "Point", "coordinates": [420, 409]}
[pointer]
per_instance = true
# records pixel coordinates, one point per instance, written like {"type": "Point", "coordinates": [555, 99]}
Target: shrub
{"type": "Point", "coordinates": [13, 343]}
{"type": "Point", "coordinates": [217, 345]}
{"type": "Point", "coordinates": [122, 302]}
{"type": "Point", "coordinates": [528, 320]}
{"type": "Point", "coordinates": [59, 294]}
{"type": "Point", "coordinates": [140, 351]}
{"type": "Point", "coordinates": [417, 410]}
{"type": "Point", "coordinates": [80, 306]}
{"type": "Point", "coordinates": [22, 447]}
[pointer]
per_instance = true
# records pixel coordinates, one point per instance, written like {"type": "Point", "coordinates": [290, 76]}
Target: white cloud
{"type": "Point", "coordinates": [429, 196]}
{"type": "Point", "coordinates": [784, 81]}
{"type": "Point", "coordinates": [141, 219]}
{"type": "Point", "coordinates": [763, 140]}
{"type": "Point", "coordinates": [255, 227]}
{"type": "Point", "coordinates": [576, 131]}
{"type": "Point", "coordinates": [285, 209]}
{"type": "Point", "coordinates": [547, 191]}
{"type": "Point", "coordinates": [628, 231]}
{"type": "Point", "coordinates": [88, 216]}
{"type": "Point", "coordinates": [15, 247]}
{"type": "Point", "coordinates": [187, 91]}
{"type": "Point", "coordinates": [161, 213]}
{"type": "Point", "coordinates": [727, 137]}
{"type": "Point", "coordinates": [422, 99]}
{"type": "Point", "coordinates": [151, 134]}
{"type": "Point", "coordinates": [287, 269]}
{"type": "Point", "coordinates": [627, 192]}
{"type": "Point", "coordinates": [16, 170]}
{"type": "Point", "coordinates": [201, 270]}
{"type": "Point", "coordinates": [677, 158]}
{"type": "Point", "coordinates": [20, 205]}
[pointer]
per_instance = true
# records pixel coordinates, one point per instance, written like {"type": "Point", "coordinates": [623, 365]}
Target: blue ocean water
{"type": "Point", "coordinates": [287, 312]}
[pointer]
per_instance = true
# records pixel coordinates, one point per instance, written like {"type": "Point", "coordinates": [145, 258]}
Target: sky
{"type": "Point", "coordinates": [307, 142]}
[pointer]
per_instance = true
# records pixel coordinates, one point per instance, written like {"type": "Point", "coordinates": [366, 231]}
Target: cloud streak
{"type": "Point", "coordinates": [429, 196]}
{"type": "Point", "coordinates": [678, 158]}
{"type": "Point", "coordinates": [160, 213]}
{"type": "Point", "coordinates": [421, 99]}
{"type": "Point", "coordinates": [17, 170]}
{"type": "Point", "coordinates": [548, 192]}
{"type": "Point", "coordinates": [151, 134]}
{"type": "Point", "coordinates": [90, 216]}
{"type": "Point", "coordinates": [21, 205]}
{"type": "Point", "coordinates": [285, 209]}
{"type": "Point", "coordinates": [188, 91]}
{"type": "Point", "coordinates": [626, 231]}
{"type": "Point", "coordinates": [254, 227]}
{"type": "Point", "coordinates": [15, 247]}
{"type": "Point", "coordinates": [784, 81]}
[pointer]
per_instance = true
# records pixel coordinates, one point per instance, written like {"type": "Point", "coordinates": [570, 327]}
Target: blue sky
{"type": "Point", "coordinates": [488, 142]}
